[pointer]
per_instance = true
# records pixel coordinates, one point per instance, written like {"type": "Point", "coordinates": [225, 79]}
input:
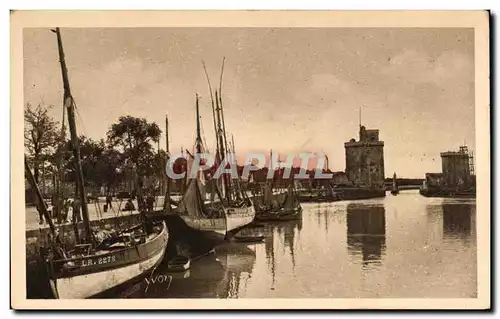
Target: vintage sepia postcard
{"type": "Point", "coordinates": [250, 160]}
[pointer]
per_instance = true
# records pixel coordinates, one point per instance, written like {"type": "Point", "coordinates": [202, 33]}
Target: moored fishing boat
{"type": "Point", "coordinates": [211, 222]}
{"type": "Point", "coordinates": [85, 272]}
{"type": "Point", "coordinates": [95, 266]}
{"type": "Point", "coordinates": [447, 193]}
{"type": "Point", "coordinates": [289, 210]}
{"type": "Point", "coordinates": [319, 195]}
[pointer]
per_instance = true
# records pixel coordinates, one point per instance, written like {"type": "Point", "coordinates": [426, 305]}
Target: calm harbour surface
{"type": "Point", "coordinates": [405, 246]}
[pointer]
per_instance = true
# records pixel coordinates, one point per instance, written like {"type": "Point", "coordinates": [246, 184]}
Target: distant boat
{"type": "Point", "coordinates": [447, 193]}
{"type": "Point", "coordinates": [289, 210]}
{"type": "Point", "coordinates": [395, 188]}
{"type": "Point", "coordinates": [319, 195]}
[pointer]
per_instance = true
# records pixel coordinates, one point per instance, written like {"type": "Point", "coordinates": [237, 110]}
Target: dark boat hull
{"type": "Point", "coordinates": [195, 238]}
{"type": "Point", "coordinates": [354, 193]}
{"type": "Point", "coordinates": [447, 193]}
{"type": "Point", "coordinates": [295, 214]}
{"type": "Point", "coordinates": [95, 274]}
{"type": "Point", "coordinates": [318, 199]}
{"type": "Point", "coordinates": [248, 239]}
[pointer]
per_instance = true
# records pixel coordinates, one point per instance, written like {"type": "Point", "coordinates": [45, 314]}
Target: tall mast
{"type": "Point", "coordinates": [198, 130]}
{"type": "Point", "coordinates": [233, 147]}
{"type": "Point", "coordinates": [360, 116]}
{"type": "Point", "coordinates": [213, 110]}
{"type": "Point", "coordinates": [222, 150]}
{"type": "Point", "coordinates": [240, 187]}
{"type": "Point", "coordinates": [69, 104]}
{"type": "Point", "coordinates": [166, 201]}
{"type": "Point", "coordinates": [223, 121]}
{"type": "Point", "coordinates": [220, 104]}
{"type": "Point", "coordinates": [59, 162]}
{"type": "Point", "coordinates": [271, 168]}
{"type": "Point", "coordinates": [228, 180]}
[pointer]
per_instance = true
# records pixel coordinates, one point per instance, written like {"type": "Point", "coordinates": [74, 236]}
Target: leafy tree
{"type": "Point", "coordinates": [109, 169]}
{"type": "Point", "coordinates": [135, 137]}
{"type": "Point", "coordinates": [41, 136]}
{"type": "Point", "coordinates": [91, 153]}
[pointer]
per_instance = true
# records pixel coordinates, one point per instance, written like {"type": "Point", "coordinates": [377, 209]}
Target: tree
{"type": "Point", "coordinates": [109, 169]}
{"type": "Point", "coordinates": [41, 136]}
{"type": "Point", "coordinates": [91, 156]}
{"type": "Point", "coordinates": [135, 137]}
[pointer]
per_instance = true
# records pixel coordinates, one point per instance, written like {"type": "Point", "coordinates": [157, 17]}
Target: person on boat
{"type": "Point", "coordinates": [40, 215]}
{"type": "Point", "coordinates": [69, 214]}
{"type": "Point", "coordinates": [65, 210]}
{"type": "Point", "coordinates": [109, 201]}
{"type": "Point", "coordinates": [129, 205]}
{"type": "Point", "coordinates": [141, 203]}
{"type": "Point", "coordinates": [150, 202]}
{"type": "Point", "coordinates": [77, 213]}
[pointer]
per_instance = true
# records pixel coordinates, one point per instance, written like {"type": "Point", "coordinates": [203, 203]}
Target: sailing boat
{"type": "Point", "coordinates": [239, 209]}
{"type": "Point", "coordinates": [214, 220]}
{"type": "Point", "coordinates": [395, 188]}
{"type": "Point", "coordinates": [290, 209]}
{"type": "Point", "coordinates": [94, 267]}
{"type": "Point", "coordinates": [267, 201]}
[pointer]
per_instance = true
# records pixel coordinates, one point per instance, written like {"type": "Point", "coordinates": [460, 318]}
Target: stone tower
{"type": "Point", "coordinates": [456, 168]}
{"type": "Point", "coordinates": [365, 159]}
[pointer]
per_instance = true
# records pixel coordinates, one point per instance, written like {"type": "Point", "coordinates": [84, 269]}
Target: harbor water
{"type": "Point", "coordinates": [404, 246]}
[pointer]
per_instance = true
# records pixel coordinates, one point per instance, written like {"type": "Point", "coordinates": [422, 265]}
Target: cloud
{"type": "Point", "coordinates": [419, 67]}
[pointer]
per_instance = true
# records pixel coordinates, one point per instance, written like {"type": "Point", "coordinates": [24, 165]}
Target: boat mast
{"type": "Point", "coordinates": [220, 105]}
{"type": "Point", "coordinates": [238, 182]}
{"type": "Point", "coordinates": [201, 200]}
{"type": "Point", "coordinates": [228, 179]}
{"type": "Point", "coordinates": [166, 201]}
{"type": "Point", "coordinates": [222, 151]}
{"type": "Point", "coordinates": [271, 169]}
{"type": "Point", "coordinates": [58, 185]}
{"type": "Point", "coordinates": [213, 112]}
{"type": "Point", "coordinates": [198, 130]}
{"type": "Point", "coordinates": [69, 104]}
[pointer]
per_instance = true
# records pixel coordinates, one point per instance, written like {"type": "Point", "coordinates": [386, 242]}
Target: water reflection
{"type": "Point", "coordinates": [218, 275]}
{"type": "Point", "coordinates": [366, 232]}
{"type": "Point", "coordinates": [238, 260]}
{"type": "Point", "coordinates": [281, 234]}
{"type": "Point", "coordinates": [405, 246]}
{"type": "Point", "coordinates": [457, 221]}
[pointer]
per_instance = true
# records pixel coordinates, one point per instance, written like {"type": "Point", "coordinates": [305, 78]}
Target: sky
{"type": "Point", "coordinates": [291, 90]}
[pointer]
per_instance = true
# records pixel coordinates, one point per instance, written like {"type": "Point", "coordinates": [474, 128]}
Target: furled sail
{"type": "Point", "coordinates": [190, 203]}
{"type": "Point", "coordinates": [268, 195]}
{"type": "Point", "coordinates": [291, 200]}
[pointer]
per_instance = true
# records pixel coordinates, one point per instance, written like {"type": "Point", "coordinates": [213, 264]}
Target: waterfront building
{"type": "Point", "coordinates": [456, 167]}
{"type": "Point", "coordinates": [365, 159]}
